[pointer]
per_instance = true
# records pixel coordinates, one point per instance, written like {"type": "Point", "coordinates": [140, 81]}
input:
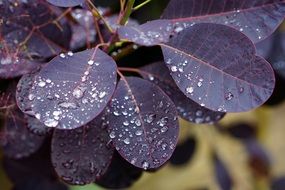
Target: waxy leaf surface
{"type": "Point", "coordinates": [255, 18]}
{"type": "Point", "coordinates": [148, 34]}
{"type": "Point", "coordinates": [143, 123]}
{"type": "Point", "coordinates": [81, 155]}
{"type": "Point", "coordinates": [66, 3]}
{"type": "Point", "coordinates": [218, 68]}
{"type": "Point", "coordinates": [158, 73]}
{"type": "Point", "coordinates": [73, 88]}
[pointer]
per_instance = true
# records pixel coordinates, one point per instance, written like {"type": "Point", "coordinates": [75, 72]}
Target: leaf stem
{"type": "Point", "coordinates": [128, 11]}
{"type": "Point", "coordinates": [97, 14]}
{"type": "Point", "coordinates": [141, 5]}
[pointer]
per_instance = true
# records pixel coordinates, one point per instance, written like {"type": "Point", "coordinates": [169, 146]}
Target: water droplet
{"type": "Point", "coordinates": [62, 55]}
{"type": "Point", "coordinates": [145, 165]}
{"type": "Point", "coordinates": [38, 116]}
{"type": "Point", "coordinates": [68, 105]}
{"type": "Point", "coordinates": [51, 123]}
{"type": "Point", "coordinates": [189, 90]}
{"type": "Point", "coordinates": [31, 97]}
{"type": "Point", "coordinates": [174, 69]}
{"type": "Point", "coordinates": [138, 122]}
{"type": "Point", "coordinates": [102, 94]}
{"type": "Point", "coordinates": [126, 123]}
{"type": "Point", "coordinates": [112, 135]}
{"type": "Point", "coordinates": [150, 118]}
{"type": "Point", "coordinates": [127, 141]}
{"type": "Point", "coordinates": [229, 96]}
{"type": "Point", "coordinates": [116, 113]}
{"type": "Point", "coordinates": [139, 132]}
{"type": "Point", "coordinates": [90, 62]}
{"type": "Point", "coordinates": [199, 113]}
{"type": "Point", "coordinates": [42, 84]}
{"type": "Point", "coordinates": [78, 92]}
{"type": "Point", "coordinates": [164, 129]}
{"type": "Point", "coordinates": [70, 53]}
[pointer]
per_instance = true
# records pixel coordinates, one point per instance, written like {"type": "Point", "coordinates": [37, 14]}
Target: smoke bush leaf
{"type": "Point", "coordinates": [27, 40]}
{"type": "Point", "coordinates": [257, 19]}
{"type": "Point", "coordinates": [148, 34]}
{"type": "Point", "coordinates": [187, 108]}
{"type": "Point", "coordinates": [66, 3]}
{"type": "Point", "coordinates": [73, 88]}
{"type": "Point", "coordinates": [81, 155]}
{"type": "Point", "coordinates": [218, 68]}
{"type": "Point", "coordinates": [143, 123]}
{"type": "Point", "coordinates": [19, 142]}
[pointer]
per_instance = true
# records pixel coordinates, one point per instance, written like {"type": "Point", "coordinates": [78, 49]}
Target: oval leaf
{"type": "Point", "coordinates": [158, 73]}
{"type": "Point", "coordinates": [19, 142]}
{"type": "Point", "coordinates": [143, 123]}
{"type": "Point", "coordinates": [218, 68]}
{"type": "Point", "coordinates": [66, 3]}
{"type": "Point", "coordinates": [82, 155]}
{"type": "Point", "coordinates": [73, 89]}
{"type": "Point", "coordinates": [148, 34]}
{"type": "Point", "coordinates": [257, 19]}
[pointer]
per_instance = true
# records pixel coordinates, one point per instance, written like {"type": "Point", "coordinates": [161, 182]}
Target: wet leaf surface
{"type": "Point", "coordinates": [30, 32]}
{"type": "Point", "coordinates": [218, 68]}
{"type": "Point", "coordinates": [66, 3]}
{"type": "Point", "coordinates": [120, 174]}
{"type": "Point", "coordinates": [148, 34]}
{"type": "Point", "coordinates": [187, 109]}
{"type": "Point", "coordinates": [82, 155]}
{"type": "Point", "coordinates": [143, 123]}
{"type": "Point", "coordinates": [257, 19]}
{"type": "Point", "coordinates": [73, 88]}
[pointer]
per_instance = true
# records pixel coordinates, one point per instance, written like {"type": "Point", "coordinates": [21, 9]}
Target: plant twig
{"type": "Point", "coordinates": [97, 14]}
{"type": "Point", "coordinates": [127, 12]}
{"type": "Point", "coordinates": [141, 5]}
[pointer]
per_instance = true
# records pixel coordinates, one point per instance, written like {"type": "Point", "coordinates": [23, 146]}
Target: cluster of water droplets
{"type": "Point", "coordinates": [142, 136]}
{"type": "Point", "coordinates": [146, 35]}
{"type": "Point", "coordinates": [71, 101]}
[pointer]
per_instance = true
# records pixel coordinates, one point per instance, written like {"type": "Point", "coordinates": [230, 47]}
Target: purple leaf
{"type": "Point", "coordinates": [81, 155]}
{"type": "Point", "coordinates": [19, 142]}
{"type": "Point", "coordinates": [66, 3]}
{"type": "Point", "coordinates": [143, 123]}
{"type": "Point", "coordinates": [73, 89]}
{"type": "Point", "coordinates": [120, 174]}
{"type": "Point", "coordinates": [36, 127]}
{"type": "Point", "coordinates": [148, 34]}
{"type": "Point", "coordinates": [257, 19]}
{"type": "Point", "coordinates": [187, 108]}
{"type": "Point", "coordinates": [27, 40]}
{"type": "Point", "coordinates": [218, 68]}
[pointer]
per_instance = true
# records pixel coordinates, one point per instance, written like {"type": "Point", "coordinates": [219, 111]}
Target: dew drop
{"type": "Point", "coordinates": [90, 62]}
{"type": "Point", "coordinates": [150, 118]}
{"type": "Point", "coordinates": [138, 122]}
{"type": "Point", "coordinates": [102, 94]}
{"type": "Point", "coordinates": [31, 97]}
{"type": "Point", "coordinates": [112, 135]}
{"type": "Point", "coordinates": [127, 141]}
{"type": "Point", "coordinates": [145, 165]}
{"type": "Point", "coordinates": [116, 113]}
{"type": "Point", "coordinates": [42, 84]}
{"type": "Point", "coordinates": [189, 90]}
{"type": "Point", "coordinates": [78, 92]}
{"type": "Point", "coordinates": [164, 129]}
{"type": "Point", "coordinates": [51, 123]}
{"type": "Point", "coordinates": [229, 96]}
{"type": "Point", "coordinates": [174, 69]}
{"type": "Point", "coordinates": [139, 132]}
